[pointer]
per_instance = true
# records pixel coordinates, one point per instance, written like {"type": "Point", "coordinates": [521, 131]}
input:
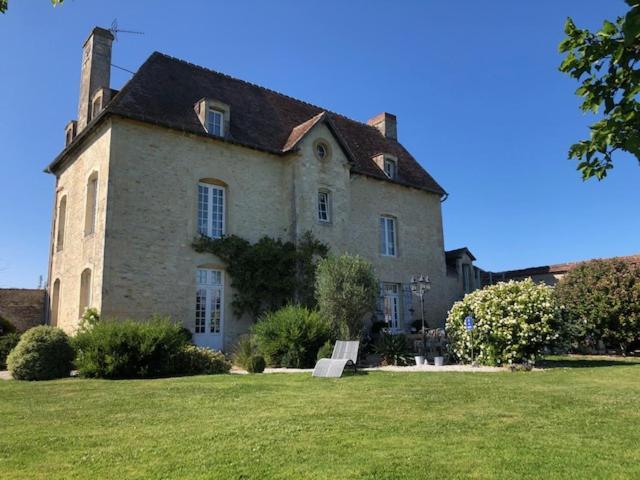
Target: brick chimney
{"type": "Point", "coordinates": [386, 123]}
{"type": "Point", "coordinates": [95, 73]}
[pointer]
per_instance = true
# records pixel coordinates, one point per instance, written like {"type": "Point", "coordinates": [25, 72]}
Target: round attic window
{"type": "Point", "coordinates": [321, 150]}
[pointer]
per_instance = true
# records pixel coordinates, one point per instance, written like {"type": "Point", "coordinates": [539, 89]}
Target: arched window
{"type": "Point", "coordinates": [85, 290]}
{"type": "Point", "coordinates": [55, 303]}
{"type": "Point", "coordinates": [211, 208]}
{"type": "Point", "coordinates": [62, 219]}
{"type": "Point", "coordinates": [91, 204]}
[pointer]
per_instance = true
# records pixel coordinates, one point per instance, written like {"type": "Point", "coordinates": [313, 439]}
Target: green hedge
{"type": "Point", "coordinates": [43, 353]}
{"type": "Point", "coordinates": [129, 349]}
{"type": "Point", "coordinates": [193, 360]}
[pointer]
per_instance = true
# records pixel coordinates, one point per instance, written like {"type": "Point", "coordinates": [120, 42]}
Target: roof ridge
{"type": "Point", "coordinates": [251, 84]}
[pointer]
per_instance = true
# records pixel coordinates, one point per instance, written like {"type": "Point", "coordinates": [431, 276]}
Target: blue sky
{"type": "Point", "coordinates": [475, 86]}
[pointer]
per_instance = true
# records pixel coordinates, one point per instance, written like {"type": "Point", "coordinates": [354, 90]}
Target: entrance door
{"type": "Point", "coordinates": [392, 306]}
{"type": "Point", "coordinates": [209, 321]}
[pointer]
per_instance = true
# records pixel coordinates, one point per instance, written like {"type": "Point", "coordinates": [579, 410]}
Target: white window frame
{"type": "Point", "coordinates": [206, 227]}
{"type": "Point", "coordinates": [212, 114]}
{"type": "Point", "coordinates": [388, 237]}
{"type": "Point", "coordinates": [392, 307]}
{"type": "Point", "coordinates": [327, 206]}
{"type": "Point", "coordinates": [209, 288]}
{"type": "Point", "coordinates": [391, 172]}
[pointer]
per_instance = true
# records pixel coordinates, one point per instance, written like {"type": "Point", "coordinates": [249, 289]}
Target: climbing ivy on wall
{"type": "Point", "coordinates": [268, 274]}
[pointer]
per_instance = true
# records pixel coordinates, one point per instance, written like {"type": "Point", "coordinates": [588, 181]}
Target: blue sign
{"type": "Point", "coordinates": [468, 322]}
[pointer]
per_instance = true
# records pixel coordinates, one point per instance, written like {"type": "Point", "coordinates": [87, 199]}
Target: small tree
{"type": "Point", "coordinates": [600, 302]}
{"type": "Point", "coordinates": [346, 290]}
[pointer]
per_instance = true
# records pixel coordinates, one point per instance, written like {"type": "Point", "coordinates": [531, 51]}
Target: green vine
{"type": "Point", "coordinates": [268, 274]}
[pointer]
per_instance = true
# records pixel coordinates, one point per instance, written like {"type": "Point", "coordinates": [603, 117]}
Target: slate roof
{"type": "Point", "coordinates": [22, 307]}
{"type": "Point", "coordinates": [165, 90]}
{"type": "Point", "coordinates": [556, 269]}
{"type": "Point", "coordinates": [456, 253]}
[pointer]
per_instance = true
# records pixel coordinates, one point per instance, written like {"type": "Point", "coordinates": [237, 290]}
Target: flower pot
{"type": "Point", "coordinates": [438, 361]}
{"type": "Point", "coordinates": [419, 359]}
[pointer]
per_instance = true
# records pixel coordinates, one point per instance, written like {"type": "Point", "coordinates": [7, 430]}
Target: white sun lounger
{"type": "Point", "coordinates": [344, 353]}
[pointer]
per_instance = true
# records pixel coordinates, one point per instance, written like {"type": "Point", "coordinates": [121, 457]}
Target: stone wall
{"type": "Point", "coordinates": [80, 251]}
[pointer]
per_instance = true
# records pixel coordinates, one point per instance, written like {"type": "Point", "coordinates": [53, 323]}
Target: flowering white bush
{"type": "Point", "coordinates": [513, 322]}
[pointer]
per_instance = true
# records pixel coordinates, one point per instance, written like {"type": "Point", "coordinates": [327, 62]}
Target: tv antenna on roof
{"type": "Point", "coordinates": [115, 30]}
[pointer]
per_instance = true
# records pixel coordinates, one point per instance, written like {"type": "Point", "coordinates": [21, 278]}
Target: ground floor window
{"type": "Point", "coordinates": [391, 296]}
{"type": "Point", "coordinates": [209, 307]}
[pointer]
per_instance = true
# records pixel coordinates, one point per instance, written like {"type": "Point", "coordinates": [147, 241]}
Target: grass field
{"type": "Point", "coordinates": [579, 419]}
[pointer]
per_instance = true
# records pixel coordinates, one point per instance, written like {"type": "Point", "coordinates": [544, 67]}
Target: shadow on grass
{"type": "Point", "coordinates": [587, 362]}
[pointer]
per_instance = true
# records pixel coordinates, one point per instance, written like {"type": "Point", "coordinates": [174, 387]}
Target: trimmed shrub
{"type": "Point", "coordinates": [346, 289]}
{"type": "Point", "coordinates": [193, 360]}
{"type": "Point", "coordinates": [514, 321]}
{"type": "Point", "coordinates": [600, 303]}
{"type": "Point", "coordinates": [129, 349]}
{"type": "Point", "coordinates": [256, 364]}
{"type": "Point", "coordinates": [7, 343]}
{"type": "Point", "coordinates": [243, 351]}
{"type": "Point", "coordinates": [393, 349]}
{"type": "Point", "coordinates": [291, 336]}
{"type": "Point", "coordinates": [325, 351]}
{"type": "Point", "coordinates": [43, 353]}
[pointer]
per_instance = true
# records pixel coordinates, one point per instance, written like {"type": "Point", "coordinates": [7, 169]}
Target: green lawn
{"type": "Point", "coordinates": [580, 419]}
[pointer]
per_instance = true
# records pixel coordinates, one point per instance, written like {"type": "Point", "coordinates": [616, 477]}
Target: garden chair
{"type": "Point", "coordinates": [344, 354]}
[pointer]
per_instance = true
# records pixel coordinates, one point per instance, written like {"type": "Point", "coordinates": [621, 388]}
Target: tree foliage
{"type": "Point", "coordinates": [346, 289]}
{"type": "Point", "coordinates": [605, 62]}
{"type": "Point", "coordinates": [4, 4]}
{"type": "Point", "coordinates": [601, 303]}
{"type": "Point", "coordinates": [269, 274]}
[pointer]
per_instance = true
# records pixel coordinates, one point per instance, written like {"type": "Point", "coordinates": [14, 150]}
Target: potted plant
{"type": "Point", "coordinates": [438, 359]}
{"type": "Point", "coordinates": [419, 357]}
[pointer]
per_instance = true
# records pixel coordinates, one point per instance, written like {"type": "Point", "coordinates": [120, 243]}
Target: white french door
{"type": "Point", "coordinates": [392, 306]}
{"type": "Point", "coordinates": [209, 321]}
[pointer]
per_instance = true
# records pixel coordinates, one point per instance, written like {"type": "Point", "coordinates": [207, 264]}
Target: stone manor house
{"type": "Point", "coordinates": [182, 150]}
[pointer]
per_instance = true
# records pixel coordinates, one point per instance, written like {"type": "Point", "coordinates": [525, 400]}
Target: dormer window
{"type": "Point", "coordinates": [215, 122]}
{"type": "Point", "coordinates": [214, 116]}
{"type": "Point", "coordinates": [390, 168]}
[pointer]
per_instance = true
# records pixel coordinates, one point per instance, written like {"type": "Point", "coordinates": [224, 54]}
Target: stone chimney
{"type": "Point", "coordinates": [386, 123]}
{"type": "Point", "coordinates": [95, 73]}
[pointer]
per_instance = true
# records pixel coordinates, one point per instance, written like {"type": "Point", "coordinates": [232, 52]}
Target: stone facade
{"type": "Point", "coordinates": [79, 251]}
{"type": "Point", "coordinates": [140, 255]}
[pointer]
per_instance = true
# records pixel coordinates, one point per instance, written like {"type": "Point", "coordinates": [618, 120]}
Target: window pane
{"type": "Point", "coordinates": [323, 206]}
{"type": "Point", "coordinates": [203, 209]}
{"type": "Point", "coordinates": [201, 300]}
{"type": "Point", "coordinates": [214, 326]}
{"type": "Point", "coordinates": [391, 236]}
{"type": "Point", "coordinates": [214, 122]}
